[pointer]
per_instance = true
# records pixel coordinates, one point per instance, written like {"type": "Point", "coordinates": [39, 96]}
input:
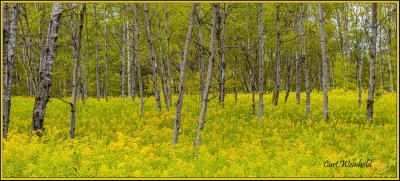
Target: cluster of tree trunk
{"type": "Point", "coordinates": [39, 75]}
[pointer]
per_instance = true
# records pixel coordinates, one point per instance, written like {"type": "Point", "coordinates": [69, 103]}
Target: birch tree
{"type": "Point", "coordinates": [167, 57]}
{"type": "Point", "coordinates": [201, 49]}
{"type": "Point", "coordinates": [152, 57]}
{"type": "Point", "coordinates": [162, 67]}
{"type": "Point", "coordinates": [136, 55]}
{"type": "Point", "coordinates": [47, 60]}
{"type": "Point", "coordinates": [371, 89]}
{"type": "Point", "coordinates": [221, 52]}
{"type": "Point", "coordinates": [10, 30]}
{"type": "Point", "coordinates": [76, 39]}
{"type": "Point", "coordinates": [97, 57]}
{"type": "Point", "coordinates": [304, 60]}
{"type": "Point", "coordinates": [277, 62]}
{"type": "Point", "coordinates": [123, 55]}
{"type": "Point", "coordinates": [105, 52]}
{"type": "Point", "coordinates": [324, 62]}
{"type": "Point", "coordinates": [209, 75]}
{"type": "Point", "coordinates": [388, 43]}
{"type": "Point", "coordinates": [182, 76]}
{"type": "Point", "coordinates": [261, 63]}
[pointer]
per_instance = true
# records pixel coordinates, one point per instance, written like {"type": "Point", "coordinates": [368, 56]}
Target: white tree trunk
{"type": "Point", "coordinates": [77, 47]}
{"type": "Point", "coordinates": [182, 76]}
{"type": "Point", "coordinates": [371, 90]}
{"type": "Point", "coordinates": [278, 56]}
{"type": "Point", "coordinates": [106, 55]}
{"type": "Point", "coordinates": [11, 38]}
{"type": "Point", "coordinates": [209, 76]}
{"type": "Point", "coordinates": [261, 63]}
{"type": "Point", "coordinates": [97, 57]}
{"type": "Point", "coordinates": [136, 55]}
{"type": "Point", "coordinates": [153, 58]}
{"type": "Point", "coordinates": [324, 63]}
{"type": "Point", "coordinates": [167, 56]}
{"type": "Point", "coordinates": [46, 70]}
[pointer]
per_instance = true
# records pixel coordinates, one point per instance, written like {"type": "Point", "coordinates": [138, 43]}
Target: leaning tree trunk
{"type": "Point", "coordinates": [277, 63]}
{"type": "Point", "coordinates": [370, 101]}
{"type": "Point", "coordinates": [11, 38]}
{"type": "Point", "coordinates": [46, 70]}
{"type": "Point", "coordinates": [209, 76]}
{"type": "Point", "coordinates": [77, 46]}
{"type": "Point", "coordinates": [261, 63]}
{"type": "Point", "coordinates": [182, 76]}
{"type": "Point", "coordinates": [168, 59]}
{"type": "Point", "coordinates": [288, 76]}
{"type": "Point", "coordinates": [153, 58]}
{"type": "Point", "coordinates": [136, 54]}
{"type": "Point", "coordinates": [163, 77]}
{"type": "Point", "coordinates": [201, 47]}
{"type": "Point", "coordinates": [324, 63]}
{"type": "Point", "coordinates": [304, 61]}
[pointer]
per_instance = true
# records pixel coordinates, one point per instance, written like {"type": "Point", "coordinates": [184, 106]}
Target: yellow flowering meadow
{"type": "Point", "coordinates": [113, 141]}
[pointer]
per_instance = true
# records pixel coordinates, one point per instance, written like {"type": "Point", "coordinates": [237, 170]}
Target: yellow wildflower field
{"type": "Point", "coordinates": [113, 141]}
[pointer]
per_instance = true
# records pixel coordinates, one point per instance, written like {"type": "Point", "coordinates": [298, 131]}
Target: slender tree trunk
{"type": "Point", "coordinates": [46, 70]}
{"type": "Point", "coordinates": [288, 77]}
{"type": "Point", "coordinates": [380, 63]}
{"type": "Point", "coordinates": [6, 31]}
{"type": "Point", "coordinates": [163, 76]}
{"type": "Point", "coordinates": [252, 78]}
{"type": "Point", "coordinates": [298, 77]}
{"type": "Point", "coordinates": [77, 47]}
{"type": "Point", "coordinates": [106, 56]}
{"type": "Point", "coordinates": [298, 66]}
{"type": "Point", "coordinates": [304, 60]}
{"type": "Point", "coordinates": [133, 69]}
{"type": "Point", "coordinates": [24, 57]}
{"type": "Point", "coordinates": [31, 57]}
{"type": "Point", "coordinates": [123, 56]}
{"type": "Point", "coordinates": [182, 76]}
{"type": "Point", "coordinates": [153, 58]}
{"type": "Point", "coordinates": [41, 49]}
{"type": "Point", "coordinates": [278, 51]}
{"type": "Point", "coordinates": [168, 59]}
{"type": "Point", "coordinates": [136, 54]}
{"type": "Point", "coordinates": [234, 83]}
{"type": "Point", "coordinates": [221, 52]}
{"type": "Point", "coordinates": [128, 70]}
{"type": "Point", "coordinates": [359, 77]}
{"type": "Point", "coordinates": [209, 76]}
{"type": "Point", "coordinates": [249, 56]}
{"type": "Point", "coordinates": [261, 63]}
{"type": "Point", "coordinates": [330, 70]}
{"type": "Point", "coordinates": [242, 78]}
{"type": "Point", "coordinates": [97, 57]}
{"type": "Point", "coordinates": [11, 38]}
{"type": "Point", "coordinates": [388, 42]}
{"type": "Point", "coordinates": [201, 46]}
{"type": "Point", "coordinates": [371, 90]}
{"type": "Point", "coordinates": [324, 63]}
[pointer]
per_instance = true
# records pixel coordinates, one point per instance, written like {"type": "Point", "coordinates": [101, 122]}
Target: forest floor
{"type": "Point", "coordinates": [113, 141]}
